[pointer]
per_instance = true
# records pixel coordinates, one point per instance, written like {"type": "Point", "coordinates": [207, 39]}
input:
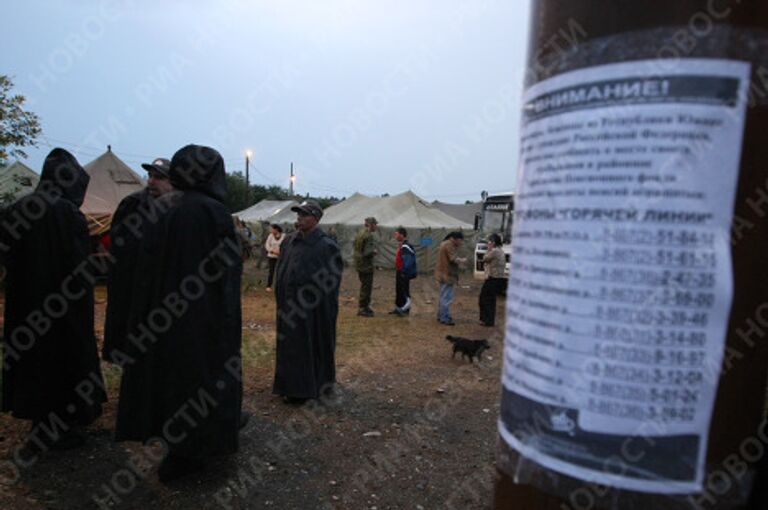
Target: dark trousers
{"type": "Point", "coordinates": [402, 292]}
{"type": "Point", "coordinates": [491, 288]}
{"type": "Point", "coordinates": [272, 264]}
{"type": "Point", "coordinates": [366, 287]}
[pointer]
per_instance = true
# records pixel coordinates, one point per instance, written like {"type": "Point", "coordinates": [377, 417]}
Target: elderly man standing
{"type": "Point", "coordinates": [128, 224]}
{"type": "Point", "coordinates": [307, 281]}
{"type": "Point", "coordinates": [365, 251]}
{"type": "Point", "coordinates": [447, 274]}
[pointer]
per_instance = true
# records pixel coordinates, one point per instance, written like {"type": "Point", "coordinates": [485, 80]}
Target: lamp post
{"type": "Point", "coordinates": [248, 155]}
{"type": "Point", "coordinates": [292, 180]}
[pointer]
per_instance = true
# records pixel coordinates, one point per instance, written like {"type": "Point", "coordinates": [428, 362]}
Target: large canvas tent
{"type": "Point", "coordinates": [16, 180]}
{"type": "Point", "coordinates": [426, 225]}
{"type": "Point", "coordinates": [270, 211]}
{"type": "Point", "coordinates": [111, 181]}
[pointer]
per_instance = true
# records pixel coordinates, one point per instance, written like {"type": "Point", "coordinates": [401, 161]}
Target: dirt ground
{"type": "Point", "coordinates": [408, 427]}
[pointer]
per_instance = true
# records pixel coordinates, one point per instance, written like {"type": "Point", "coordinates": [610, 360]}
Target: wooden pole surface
{"type": "Point", "coordinates": [567, 35]}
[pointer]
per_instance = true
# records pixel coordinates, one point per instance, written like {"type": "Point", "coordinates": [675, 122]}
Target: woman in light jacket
{"type": "Point", "coordinates": [272, 245]}
{"type": "Point", "coordinates": [495, 282]}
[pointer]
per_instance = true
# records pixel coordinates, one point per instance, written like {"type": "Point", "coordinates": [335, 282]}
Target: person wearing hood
{"type": "Point", "coordinates": [307, 281]}
{"type": "Point", "coordinates": [126, 231]}
{"type": "Point", "coordinates": [181, 380]}
{"type": "Point", "coordinates": [51, 372]}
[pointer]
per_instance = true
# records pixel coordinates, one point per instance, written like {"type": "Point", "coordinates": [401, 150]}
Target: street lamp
{"type": "Point", "coordinates": [292, 179]}
{"type": "Point", "coordinates": [248, 155]}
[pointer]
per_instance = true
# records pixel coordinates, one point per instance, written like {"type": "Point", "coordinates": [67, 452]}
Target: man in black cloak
{"type": "Point", "coordinates": [307, 283]}
{"type": "Point", "coordinates": [134, 212]}
{"type": "Point", "coordinates": [181, 380]}
{"type": "Point", "coordinates": [51, 372]}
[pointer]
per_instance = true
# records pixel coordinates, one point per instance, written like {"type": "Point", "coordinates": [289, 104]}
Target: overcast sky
{"type": "Point", "coordinates": [376, 96]}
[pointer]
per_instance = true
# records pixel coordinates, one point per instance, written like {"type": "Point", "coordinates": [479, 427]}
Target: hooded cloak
{"type": "Point", "coordinates": [307, 280]}
{"type": "Point", "coordinates": [134, 212]}
{"type": "Point", "coordinates": [181, 363]}
{"type": "Point", "coordinates": [49, 347]}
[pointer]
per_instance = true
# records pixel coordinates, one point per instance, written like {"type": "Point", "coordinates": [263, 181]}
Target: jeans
{"type": "Point", "coordinates": [444, 306]}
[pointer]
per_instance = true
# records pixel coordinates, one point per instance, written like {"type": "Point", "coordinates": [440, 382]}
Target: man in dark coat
{"type": "Point", "coordinates": [307, 291]}
{"type": "Point", "coordinates": [128, 222]}
{"type": "Point", "coordinates": [181, 371]}
{"type": "Point", "coordinates": [51, 372]}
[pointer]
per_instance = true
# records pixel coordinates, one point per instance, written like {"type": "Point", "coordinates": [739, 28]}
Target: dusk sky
{"type": "Point", "coordinates": [361, 95]}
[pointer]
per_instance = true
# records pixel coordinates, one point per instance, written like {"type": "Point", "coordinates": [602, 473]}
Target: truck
{"type": "Point", "coordinates": [495, 218]}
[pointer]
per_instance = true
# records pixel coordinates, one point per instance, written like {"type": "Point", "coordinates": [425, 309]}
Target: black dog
{"type": "Point", "coordinates": [468, 347]}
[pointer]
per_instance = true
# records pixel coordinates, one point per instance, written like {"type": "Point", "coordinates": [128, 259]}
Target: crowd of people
{"type": "Point", "coordinates": [173, 319]}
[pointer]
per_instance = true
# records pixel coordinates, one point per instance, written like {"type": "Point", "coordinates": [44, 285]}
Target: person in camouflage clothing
{"type": "Point", "coordinates": [365, 251]}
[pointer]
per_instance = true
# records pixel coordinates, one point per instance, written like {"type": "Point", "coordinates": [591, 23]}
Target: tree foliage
{"type": "Point", "coordinates": [18, 127]}
{"type": "Point", "coordinates": [240, 196]}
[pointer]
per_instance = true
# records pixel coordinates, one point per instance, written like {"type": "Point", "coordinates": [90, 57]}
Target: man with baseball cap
{"type": "Point", "coordinates": [307, 280]}
{"type": "Point", "coordinates": [128, 224]}
{"type": "Point", "coordinates": [158, 182]}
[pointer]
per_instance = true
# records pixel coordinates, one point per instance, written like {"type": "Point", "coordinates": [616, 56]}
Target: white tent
{"type": "Point", "coordinates": [16, 180]}
{"type": "Point", "coordinates": [426, 226]}
{"type": "Point", "coordinates": [403, 210]}
{"type": "Point", "coordinates": [271, 211]}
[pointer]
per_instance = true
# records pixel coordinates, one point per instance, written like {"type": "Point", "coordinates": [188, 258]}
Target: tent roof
{"type": "Point", "coordinates": [405, 209]}
{"type": "Point", "coordinates": [273, 211]}
{"type": "Point", "coordinates": [111, 181]}
{"type": "Point", "coordinates": [18, 180]}
{"type": "Point", "coordinates": [463, 212]}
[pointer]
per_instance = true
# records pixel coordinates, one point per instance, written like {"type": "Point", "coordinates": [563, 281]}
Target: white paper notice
{"type": "Point", "coordinates": [620, 281]}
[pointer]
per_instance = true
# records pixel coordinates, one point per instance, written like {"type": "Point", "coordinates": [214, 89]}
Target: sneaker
{"type": "Point", "coordinates": [365, 313]}
{"type": "Point", "coordinates": [449, 322]}
{"type": "Point", "coordinates": [174, 467]}
{"type": "Point", "coordinates": [394, 312]}
{"type": "Point", "coordinates": [269, 289]}
{"type": "Point", "coordinates": [402, 313]}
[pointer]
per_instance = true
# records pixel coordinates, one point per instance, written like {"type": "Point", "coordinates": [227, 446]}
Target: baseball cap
{"type": "Point", "coordinates": [309, 207]}
{"type": "Point", "coordinates": [159, 165]}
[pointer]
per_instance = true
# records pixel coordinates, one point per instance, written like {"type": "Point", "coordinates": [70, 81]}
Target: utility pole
{"type": "Point", "coordinates": [589, 418]}
{"type": "Point", "coordinates": [292, 180]}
